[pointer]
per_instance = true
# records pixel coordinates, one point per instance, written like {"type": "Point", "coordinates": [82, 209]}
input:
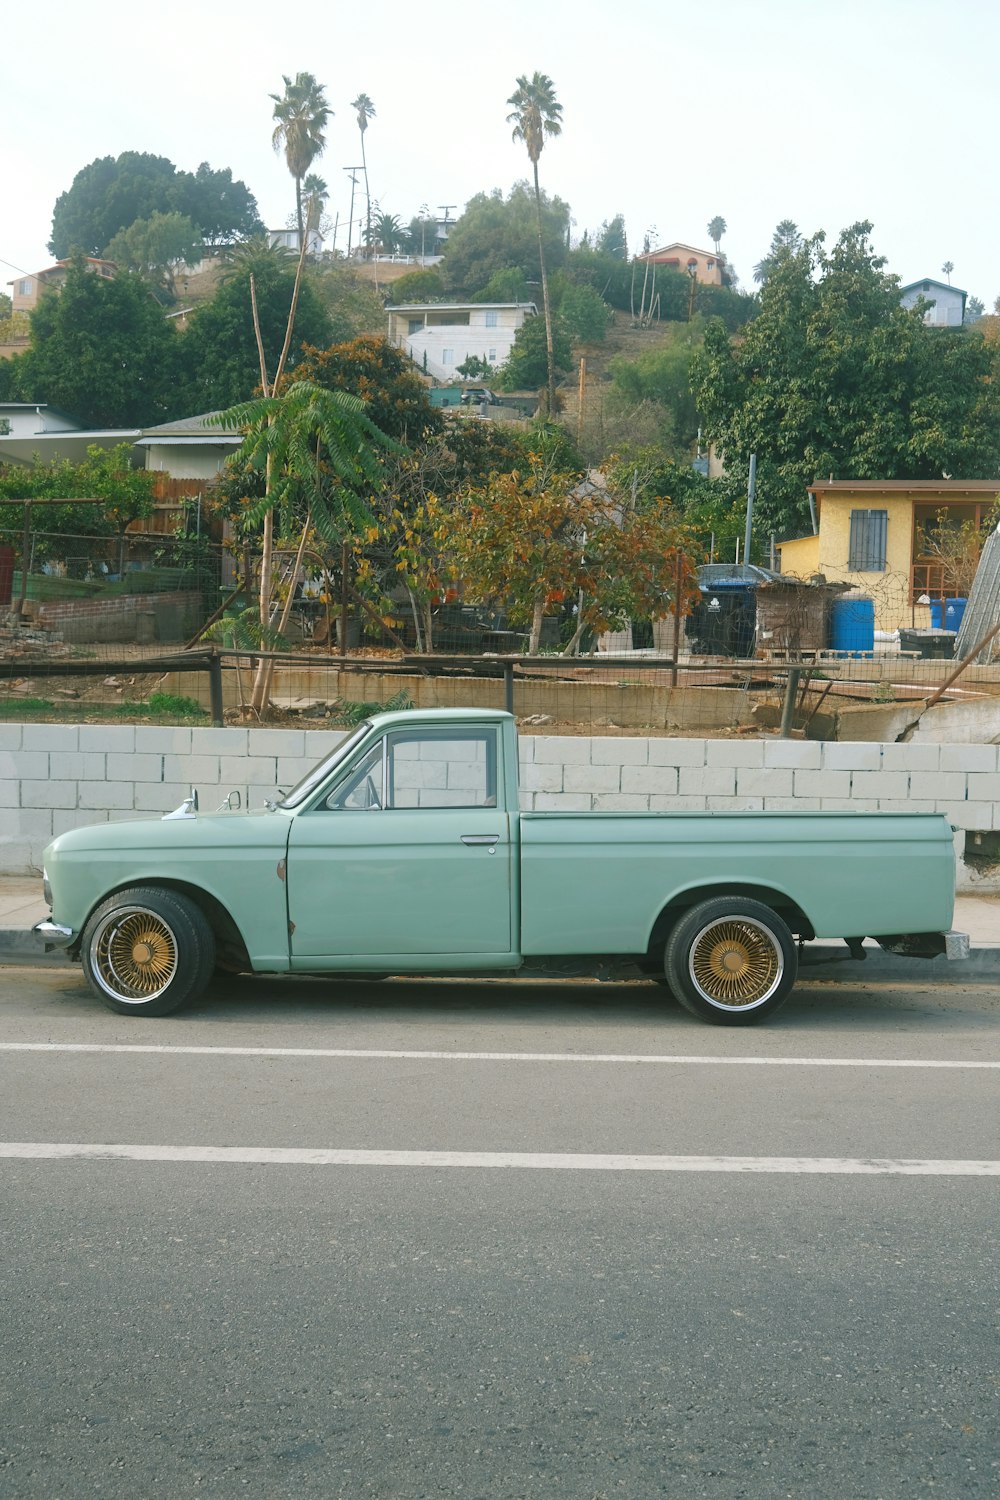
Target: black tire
{"type": "Point", "coordinates": [146, 951]}
{"type": "Point", "coordinates": [731, 961]}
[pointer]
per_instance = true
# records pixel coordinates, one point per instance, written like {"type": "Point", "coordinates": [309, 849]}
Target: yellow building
{"type": "Point", "coordinates": [871, 534]}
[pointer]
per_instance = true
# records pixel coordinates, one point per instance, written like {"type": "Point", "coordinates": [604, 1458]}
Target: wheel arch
{"type": "Point", "coordinates": [229, 939]}
{"type": "Point", "coordinates": [779, 901]}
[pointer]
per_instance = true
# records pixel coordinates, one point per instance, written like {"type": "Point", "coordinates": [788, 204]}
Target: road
{"type": "Point", "coordinates": [498, 1240]}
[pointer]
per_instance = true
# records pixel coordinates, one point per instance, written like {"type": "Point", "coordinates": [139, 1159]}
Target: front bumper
{"type": "Point", "coordinates": [54, 934]}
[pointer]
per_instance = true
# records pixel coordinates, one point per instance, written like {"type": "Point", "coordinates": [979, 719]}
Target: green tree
{"type": "Point", "coordinates": [352, 304]}
{"type": "Point", "coordinates": [535, 114]}
{"type": "Point", "coordinates": [425, 285]}
{"type": "Point", "coordinates": [662, 377]}
{"type": "Point", "coordinates": [221, 363]}
{"type": "Point", "coordinates": [584, 314]}
{"type": "Point", "coordinates": [111, 193]}
{"type": "Point", "coordinates": [301, 114]}
{"type": "Point", "coordinates": [716, 229]}
{"type": "Point", "coordinates": [527, 366]}
{"type": "Point", "coordinates": [611, 240]}
{"type": "Point", "coordinates": [154, 247]}
{"type": "Point", "coordinates": [497, 234]}
{"type": "Point", "coordinates": [369, 367]}
{"type": "Point", "coordinates": [833, 377]}
{"type": "Point", "coordinates": [365, 111]}
{"type": "Point", "coordinates": [786, 240]}
{"type": "Point", "coordinates": [122, 495]}
{"type": "Point", "coordinates": [101, 350]}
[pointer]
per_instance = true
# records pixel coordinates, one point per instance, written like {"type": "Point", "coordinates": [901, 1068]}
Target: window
{"type": "Point", "coordinates": [866, 551]}
{"type": "Point", "coordinates": [491, 320]}
{"type": "Point", "coordinates": [447, 356]}
{"type": "Point", "coordinates": [415, 325]}
{"type": "Point", "coordinates": [491, 356]}
{"type": "Point", "coordinates": [422, 769]}
{"type": "Point", "coordinates": [24, 290]}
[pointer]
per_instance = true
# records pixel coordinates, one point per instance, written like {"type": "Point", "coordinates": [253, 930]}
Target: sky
{"type": "Point", "coordinates": [820, 111]}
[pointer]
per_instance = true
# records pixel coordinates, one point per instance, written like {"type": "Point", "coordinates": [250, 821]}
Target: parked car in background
{"type": "Point", "coordinates": [478, 395]}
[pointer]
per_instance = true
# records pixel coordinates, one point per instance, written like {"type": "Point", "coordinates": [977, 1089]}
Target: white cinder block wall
{"type": "Point", "coordinates": [54, 777]}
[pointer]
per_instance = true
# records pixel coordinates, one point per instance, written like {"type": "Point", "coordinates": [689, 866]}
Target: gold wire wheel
{"type": "Point", "coordinates": [134, 955]}
{"type": "Point", "coordinates": [735, 962]}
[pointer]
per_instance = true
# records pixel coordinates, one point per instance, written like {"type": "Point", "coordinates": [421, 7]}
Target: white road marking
{"type": "Point", "coordinates": [561, 1161]}
{"type": "Point", "coordinates": [519, 1057]}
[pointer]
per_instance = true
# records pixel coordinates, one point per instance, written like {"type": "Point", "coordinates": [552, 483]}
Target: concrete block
{"type": "Point", "coordinates": [825, 783]}
{"type": "Point", "coordinates": [851, 756]}
{"type": "Point", "coordinates": [706, 781]}
{"type": "Point", "coordinates": [33, 824]}
{"type": "Point", "coordinates": [904, 805]}
{"type": "Point", "coordinates": [48, 793]}
{"type": "Point", "coordinates": [19, 857]}
{"type": "Point", "coordinates": [742, 752]}
{"type": "Point", "coordinates": [10, 737]}
{"type": "Point", "coordinates": [49, 737]}
{"type": "Point", "coordinates": [783, 804]}
{"type": "Point", "coordinates": [65, 818]}
{"type": "Point", "coordinates": [948, 786]}
{"type": "Point", "coordinates": [68, 765]}
{"type": "Point", "coordinates": [911, 757]}
{"type": "Point", "coordinates": [879, 784]}
{"type": "Point", "coordinates": [592, 779]}
{"type": "Point", "coordinates": [977, 758]}
{"type": "Point", "coordinates": [651, 780]}
{"type": "Point", "coordinates": [18, 764]}
{"type": "Point", "coordinates": [562, 802]}
{"type": "Point", "coordinates": [565, 749]}
{"type": "Point", "coordinates": [676, 752]}
{"type": "Point", "coordinates": [95, 765]}
{"type": "Point", "coordinates": [134, 767]}
{"type": "Point", "coordinates": [848, 804]}
{"type": "Point", "coordinates": [795, 755]}
{"type": "Point", "coordinates": [119, 738]}
{"type": "Point", "coordinates": [10, 791]}
{"type": "Point", "coordinates": [219, 741]}
{"type": "Point", "coordinates": [277, 742]}
{"type": "Point", "coordinates": [241, 771]}
{"type": "Point", "coordinates": [163, 739]}
{"type": "Point", "coordinates": [962, 814]}
{"type": "Point", "coordinates": [764, 781]}
{"type": "Point", "coordinates": [320, 742]}
{"type": "Point", "coordinates": [659, 803]}
{"type": "Point", "coordinates": [621, 802]}
{"type": "Point", "coordinates": [153, 798]}
{"type": "Point", "coordinates": [735, 804]}
{"type": "Point", "coordinates": [544, 778]}
{"type": "Point", "coordinates": [106, 794]}
{"type": "Point", "coordinates": [619, 752]}
{"type": "Point", "coordinates": [195, 770]}
{"type": "Point", "coordinates": [291, 769]}
{"type": "Point", "coordinates": [982, 787]}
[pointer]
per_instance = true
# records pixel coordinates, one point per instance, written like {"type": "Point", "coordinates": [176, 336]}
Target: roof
{"type": "Point", "coordinates": [678, 245]}
{"type": "Point", "coordinates": [928, 281]}
{"type": "Point", "coordinates": [905, 486]}
{"type": "Point", "coordinates": [60, 265]}
{"type": "Point", "coordinates": [455, 306]}
{"type": "Point", "coordinates": [190, 429]}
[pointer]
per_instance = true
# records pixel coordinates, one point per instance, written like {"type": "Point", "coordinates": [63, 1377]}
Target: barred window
{"type": "Point", "coordinates": [866, 552]}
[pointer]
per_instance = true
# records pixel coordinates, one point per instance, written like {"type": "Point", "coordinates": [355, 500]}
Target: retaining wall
{"type": "Point", "coordinates": [54, 777]}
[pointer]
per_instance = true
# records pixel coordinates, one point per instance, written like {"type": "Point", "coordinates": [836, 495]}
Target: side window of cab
{"type": "Point", "coordinates": [421, 768]}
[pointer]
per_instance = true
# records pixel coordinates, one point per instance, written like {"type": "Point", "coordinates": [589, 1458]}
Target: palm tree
{"type": "Point", "coordinates": [366, 112]}
{"type": "Point", "coordinates": [301, 113]}
{"type": "Point", "coordinates": [314, 195]}
{"type": "Point", "coordinates": [716, 229]}
{"type": "Point", "coordinates": [537, 113]}
{"type": "Point", "coordinates": [947, 268]}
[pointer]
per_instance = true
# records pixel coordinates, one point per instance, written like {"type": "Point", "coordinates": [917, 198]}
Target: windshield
{"type": "Point", "coordinates": [319, 773]}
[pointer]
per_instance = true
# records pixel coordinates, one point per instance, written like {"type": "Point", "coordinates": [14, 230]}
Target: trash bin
{"type": "Point", "coordinates": [950, 616]}
{"type": "Point", "coordinates": [930, 645]}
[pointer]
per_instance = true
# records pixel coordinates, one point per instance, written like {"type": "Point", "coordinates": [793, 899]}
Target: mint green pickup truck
{"type": "Point", "coordinates": [405, 852]}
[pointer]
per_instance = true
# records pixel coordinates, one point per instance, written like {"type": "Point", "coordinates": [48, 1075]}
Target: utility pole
{"type": "Point", "coordinates": [446, 208]}
{"type": "Point", "coordinates": [350, 222]}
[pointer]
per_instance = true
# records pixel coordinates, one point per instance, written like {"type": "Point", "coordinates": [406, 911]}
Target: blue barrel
{"type": "Point", "coordinates": [852, 624]}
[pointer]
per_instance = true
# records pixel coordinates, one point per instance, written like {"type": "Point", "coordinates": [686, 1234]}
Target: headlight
{"type": "Point", "coordinates": [46, 889]}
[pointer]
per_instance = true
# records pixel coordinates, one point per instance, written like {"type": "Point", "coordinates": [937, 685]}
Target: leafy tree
{"type": "Point", "coordinates": [583, 314]}
{"type": "Point", "coordinates": [365, 112]}
{"type": "Point", "coordinates": [220, 359]}
{"type": "Point", "coordinates": [425, 285]}
{"type": "Point", "coordinates": [536, 113]}
{"type": "Point", "coordinates": [497, 234]}
{"type": "Point", "coordinates": [834, 377]}
{"type": "Point", "coordinates": [527, 366]}
{"type": "Point", "coordinates": [301, 114]}
{"type": "Point", "coordinates": [474, 368]}
{"type": "Point", "coordinates": [611, 239]}
{"type": "Point", "coordinates": [101, 350]}
{"type": "Point", "coordinates": [122, 495]}
{"type": "Point", "coordinates": [786, 240]}
{"type": "Point", "coordinates": [395, 398]}
{"type": "Point", "coordinates": [6, 306]}
{"type": "Point", "coordinates": [153, 247]}
{"type": "Point", "coordinates": [111, 193]}
{"type": "Point", "coordinates": [508, 285]}
{"type": "Point", "coordinates": [716, 229]}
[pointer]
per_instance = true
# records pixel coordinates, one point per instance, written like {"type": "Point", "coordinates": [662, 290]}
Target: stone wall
{"type": "Point", "coordinates": [54, 777]}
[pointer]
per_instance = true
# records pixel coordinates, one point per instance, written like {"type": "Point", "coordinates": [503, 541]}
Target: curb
{"type": "Point", "coordinates": [20, 947]}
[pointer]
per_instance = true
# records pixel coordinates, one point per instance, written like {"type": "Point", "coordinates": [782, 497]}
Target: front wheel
{"type": "Point", "coordinates": [147, 951]}
{"type": "Point", "coordinates": [731, 961]}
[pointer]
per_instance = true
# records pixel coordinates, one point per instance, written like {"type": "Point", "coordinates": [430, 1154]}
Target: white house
{"type": "Point", "coordinates": [947, 309]}
{"type": "Point", "coordinates": [440, 336]}
{"type": "Point", "coordinates": [34, 432]}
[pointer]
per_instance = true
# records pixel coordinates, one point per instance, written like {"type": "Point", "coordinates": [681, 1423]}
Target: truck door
{"type": "Point", "coordinates": [408, 854]}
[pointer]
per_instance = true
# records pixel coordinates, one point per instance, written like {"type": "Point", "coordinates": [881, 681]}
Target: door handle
{"type": "Point", "coordinates": [480, 838]}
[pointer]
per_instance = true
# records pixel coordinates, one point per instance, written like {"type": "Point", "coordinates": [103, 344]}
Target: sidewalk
{"type": "Point", "coordinates": [22, 904]}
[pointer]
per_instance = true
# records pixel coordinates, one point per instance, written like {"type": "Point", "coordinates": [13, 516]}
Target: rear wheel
{"type": "Point", "coordinates": [731, 961]}
{"type": "Point", "coordinates": [147, 951]}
